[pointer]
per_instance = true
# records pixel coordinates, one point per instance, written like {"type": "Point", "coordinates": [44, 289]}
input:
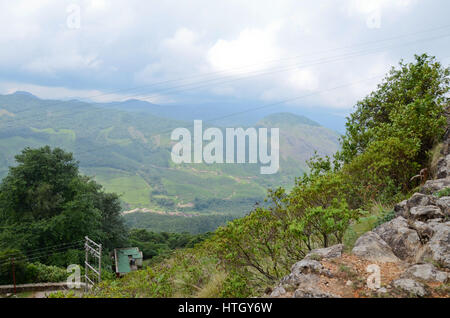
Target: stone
{"type": "Point", "coordinates": [296, 280]}
{"type": "Point", "coordinates": [372, 247]}
{"type": "Point", "coordinates": [424, 230]}
{"type": "Point", "coordinates": [444, 204]}
{"type": "Point", "coordinates": [310, 292]}
{"type": "Point", "coordinates": [432, 186]}
{"type": "Point", "coordinates": [403, 241]}
{"type": "Point", "coordinates": [278, 291]}
{"type": "Point", "coordinates": [349, 283]}
{"type": "Point", "coordinates": [427, 212]}
{"type": "Point", "coordinates": [328, 252]}
{"type": "Point", "coordinates": [419, 199]}
{"type": "Point", "coordinates": [382, 290]}
{"type": "Point", "coordinates": [439, 244]}
{"type": "Point", "coordinates": [401, 209]}
{"type": "Point", "coordinates": [410, 286]}
{"type": "Point", "coordinates": [425, 272]}
{"type": "Point", "coordinates": [443, 167]}
{"type": "Point", "coordinates": [306, 266]}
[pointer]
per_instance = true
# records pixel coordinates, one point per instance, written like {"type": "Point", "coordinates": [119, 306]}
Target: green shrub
{"type": "Point", "coordinates": [40, 273]}
{"type": "Point", "coordinates": [443, 193]}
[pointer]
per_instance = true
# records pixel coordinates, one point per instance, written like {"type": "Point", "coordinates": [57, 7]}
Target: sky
{"type": "Point", "coordinates": [322, 56]}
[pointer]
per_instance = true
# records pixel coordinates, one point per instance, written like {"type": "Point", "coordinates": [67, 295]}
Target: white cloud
{"type": "Point", "coordinates": [124, 44]}
{"type": "Point", "coordinates": [250, 50]}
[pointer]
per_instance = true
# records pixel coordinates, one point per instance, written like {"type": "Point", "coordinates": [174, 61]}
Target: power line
{"type": "Point", "coordinates": [30, 253]}
{"type": "Point", "coordinates": [233, 78]}
{"type": "Point", "coordinates": [34, 258]}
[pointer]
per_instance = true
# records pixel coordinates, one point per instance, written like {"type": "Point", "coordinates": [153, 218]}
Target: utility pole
{"type": "Point", "coordinates": [13, 274]}
{"type": "Point", "coordinates": [94, 249]}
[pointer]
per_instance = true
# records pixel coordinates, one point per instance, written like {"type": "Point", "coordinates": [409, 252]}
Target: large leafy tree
{"type": "Point", "coordinates": [408, 104]}
{"type": "Point", "coordinates": [44, 201]}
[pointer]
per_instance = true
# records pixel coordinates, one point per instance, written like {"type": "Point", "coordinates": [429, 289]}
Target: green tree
{"type": "Point", "coordinates": [44, 201]}
{"type": "Point", "coordinates": [408, 104]}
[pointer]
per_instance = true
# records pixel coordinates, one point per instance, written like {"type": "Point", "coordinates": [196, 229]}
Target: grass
{"type": "Point", "coordinates": [378, 213]}
{"type": "Point", "coordinates": [132, 188]}
{"type": "Point", "coordinates": [435, 155]}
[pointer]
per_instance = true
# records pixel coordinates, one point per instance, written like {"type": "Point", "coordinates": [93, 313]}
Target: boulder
{"type": "Point", "coordinates": [419, 199]}
{"type": "Point", "coordinates": [423, 213]}
{"type": "Point", "coordinates": [444, 204]}
{"type": "Point", "coordinates": [296, 280]}
{"type": "Point", "coordinates": [328, 252]}
{"type": "Point", "coordinates": [439, 244]}
{"type": "Point", "coordinates": [311, 292]}
{"type": "Point", "coordinates": [443, 167]}
{"type": "Point", "coordinates": [410, 286]}
{"type": "Point", "coordinates": [403, 241]}
{"type": "Point", "coordinates": [432, 186]}
{"type": "Point", "coordinates": [425, 272]}
{"type": "Point", "coordinates": [372, 247]}
{"type": "Point", "coordinates": [401, 209]}
{"type": "Point", "coordinates": [278, 292]}
{"type": "Point", "coordinates": [424, 230]}
{"type": "Point", "coordinates": [307, 266]}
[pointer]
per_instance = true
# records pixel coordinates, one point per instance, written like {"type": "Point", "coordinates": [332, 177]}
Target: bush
{"type": "Point", "coordinates": [40, 273]}
{"type": "Point", "coordinates": [443, 193]}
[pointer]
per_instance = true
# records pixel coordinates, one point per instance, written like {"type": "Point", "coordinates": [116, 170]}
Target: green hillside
{"type": "Point", "coordinates": [129, 153]}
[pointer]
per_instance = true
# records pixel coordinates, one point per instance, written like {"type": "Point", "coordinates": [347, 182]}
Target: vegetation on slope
{"type": "Point", "coordinates": [389, 138]}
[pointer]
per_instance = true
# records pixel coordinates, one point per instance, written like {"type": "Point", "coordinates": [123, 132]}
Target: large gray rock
{"type": "Point", "coordinates": [401, 209]}
{"type": "Point", "coordinates": [425, 272]}
{"type": "Point", "coordinates": [403, 241]}
{"type": "Point", "coordinates": [410, 286]}
{"type": "Point", "coordinates": [296, 280]}
{"type": "Point", "coordinates": [444, 204]}
{"type": "Point", "coordinates": [443, 167]}
{"type": "Point", "coordinates": [423, 213]}
{"type": "Point", "coordinates": [372, 247]}
{"type": "Point", "coordinates": [439, 244]}
{"type": "Point", "coordinates": [278, 292]}
{"type": "Point", "coordinates": [424, 230]}
{"type": "Point", "coordinates": [306, 266]}
{"type": "Point", "coordinates": [419, 199]}
{"type": "Point", "coordinates": [432, 186]}
{"type": "Point", "coordinates": [312, 292]}
{"type": "Point", "coordinates": [328, 252]}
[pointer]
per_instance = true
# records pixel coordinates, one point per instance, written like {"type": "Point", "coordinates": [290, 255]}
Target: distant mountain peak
{"type": "Point", "coordinates": [23, 93]}
{"type": "Point", "coordinates": [286, 118]}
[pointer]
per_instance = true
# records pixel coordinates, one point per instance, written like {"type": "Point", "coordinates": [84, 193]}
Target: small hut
{"type": "Point", "coordinates": [127, 259]}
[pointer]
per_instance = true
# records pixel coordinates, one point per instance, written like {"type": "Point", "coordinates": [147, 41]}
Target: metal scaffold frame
{"type": "Point", "coordinates": [95, 250]}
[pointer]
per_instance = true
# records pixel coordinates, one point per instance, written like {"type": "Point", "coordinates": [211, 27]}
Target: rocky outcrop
{"type": "Point", "coordinates": [328, 252]}
{"type": "Point", "coordinates": [426, 273]}
{"type": "Point", "coordinates": [403, 241]}
{"type": "Point", "coordinates": [372, 247]}
{"type": "Point", "coordinates": [411, 287]}
{"type": "Point", "coordinates": [413, 249]}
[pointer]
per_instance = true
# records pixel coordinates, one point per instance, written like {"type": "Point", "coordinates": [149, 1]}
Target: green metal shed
{"type": "Point", "coordinates": [127, 259]}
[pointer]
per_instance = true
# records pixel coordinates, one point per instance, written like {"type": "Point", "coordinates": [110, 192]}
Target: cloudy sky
{"type": "Point", "coordinates": [329, 52]}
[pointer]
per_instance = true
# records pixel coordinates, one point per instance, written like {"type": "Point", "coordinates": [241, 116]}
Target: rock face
{"type": "Point", "coordinates": [425, 272]}
{"type": "Point", "coordinates": [411, 287]}
{"type": "Point", "coordinates": [372, 247]}
{"type": "Point", "coordinates": [404, 242]}
{"type": "Point", "coordinates": [439, 244]}
{"type": "Point", "coordinates": [328, 252]}
{"type": "Point", "coordinates": [417, 241]}
{"type": "Point", "coordinates": [427, 212]}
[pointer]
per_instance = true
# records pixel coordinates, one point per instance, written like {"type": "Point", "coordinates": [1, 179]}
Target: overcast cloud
{"type": "Point", "coordinates": [283, 48]}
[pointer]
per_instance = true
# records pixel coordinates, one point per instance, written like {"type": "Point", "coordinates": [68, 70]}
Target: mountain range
{"type": "Point", "coordinates": [126, 147]}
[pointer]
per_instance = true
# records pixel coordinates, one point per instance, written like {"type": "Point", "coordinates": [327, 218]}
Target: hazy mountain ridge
{"type": "Point", "coordinates": [132, 157]}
